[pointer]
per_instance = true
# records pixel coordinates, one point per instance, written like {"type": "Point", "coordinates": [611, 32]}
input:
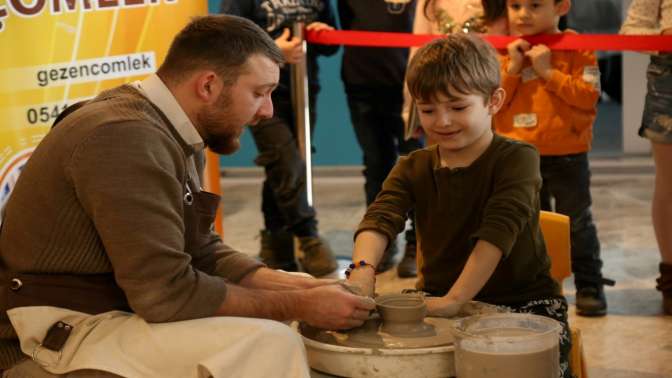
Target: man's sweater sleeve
{"type": "Point", "coordinates": [128, 178]}
{"type": "Point", "coordinates": [511, 204]}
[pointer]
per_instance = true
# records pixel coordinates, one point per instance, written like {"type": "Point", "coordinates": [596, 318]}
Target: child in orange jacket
{"type": "Point", "coordinates": [550, 102]}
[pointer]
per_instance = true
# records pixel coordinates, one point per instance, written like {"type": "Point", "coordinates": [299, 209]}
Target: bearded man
{"type": "Point", "coordinates": [108, 262]}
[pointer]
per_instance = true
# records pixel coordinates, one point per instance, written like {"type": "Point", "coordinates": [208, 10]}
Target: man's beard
{"type": "Point", "coordinates": [222, 136]}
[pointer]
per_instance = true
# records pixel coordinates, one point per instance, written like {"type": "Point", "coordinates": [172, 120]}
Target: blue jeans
{"type": "Point", "coordinates": [284, 195]}
{"type": "Point", "coordinates": [567, 180]}
{"type": "Point", "coordinates": [376, 117]}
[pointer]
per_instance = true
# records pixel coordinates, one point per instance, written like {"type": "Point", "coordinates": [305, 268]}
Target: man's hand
{"type": "Point", "coordinates": [517, 50]}
{"type": "Point", "coordinates": [667, 31]}
{"type": "Point", "coordinates": [333, 307]}
{"type": "Point", "coordinates": [442, 307]}
{"type": "Point", "coordinates": [540, 56]}
{"type": "Point", "coordinates": [317, 26]}
{"type": "Point", "coordinates": [291, 47]}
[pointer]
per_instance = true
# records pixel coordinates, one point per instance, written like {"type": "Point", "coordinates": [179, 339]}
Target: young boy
{"type": "Point", "coordinates": [551, 99]}
{"type": "Point", "coordinates": [476, 195]}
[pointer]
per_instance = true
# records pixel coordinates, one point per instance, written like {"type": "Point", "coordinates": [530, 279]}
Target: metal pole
{"type": "Point", "coordinates": [301, 105]}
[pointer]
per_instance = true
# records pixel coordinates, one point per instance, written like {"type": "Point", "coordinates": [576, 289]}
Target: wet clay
{"type": "Point", "coordinates": [471, 362]}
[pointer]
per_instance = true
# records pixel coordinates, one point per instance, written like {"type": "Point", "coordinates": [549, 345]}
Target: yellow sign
{"type": "Point", "coordinates": [58, 52]}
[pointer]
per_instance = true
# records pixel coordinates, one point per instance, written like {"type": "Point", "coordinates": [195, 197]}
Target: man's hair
{"type": "Point", "coordinates": [221, 43]}
{"type": "Point", "coordinates": [460, 63]}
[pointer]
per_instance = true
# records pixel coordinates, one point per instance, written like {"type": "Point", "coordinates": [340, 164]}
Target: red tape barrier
{"type": "Point", "coordinates": [605, 42]}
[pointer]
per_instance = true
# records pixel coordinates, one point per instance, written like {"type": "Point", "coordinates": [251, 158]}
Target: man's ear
{"type": "Point", "coordinates": [208, 86]}
{"type": "Point", "coordinates": [562, 8]}
{"type": "Point", "coordinates": [496, 101]}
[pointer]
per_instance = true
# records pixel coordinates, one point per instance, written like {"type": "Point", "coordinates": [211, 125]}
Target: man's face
{"type": "Point", "coordinates": [529, 17]}
{"type": "Point", "coordinates": [456, 122]}
{"type": "Point", "coordinates": [246, 102]}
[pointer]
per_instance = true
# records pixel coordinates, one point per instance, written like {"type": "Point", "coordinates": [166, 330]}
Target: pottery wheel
{"type": "Point", "coordinates": [431, 332]}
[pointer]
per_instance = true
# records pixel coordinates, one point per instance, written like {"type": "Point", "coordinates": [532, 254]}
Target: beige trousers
{"type": "Point", "coordinates": [124, 344]}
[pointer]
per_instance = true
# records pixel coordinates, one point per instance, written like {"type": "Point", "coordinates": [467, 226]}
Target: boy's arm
{"type": "Point", "coordinates": [580, 87]}
{"type": "Point", "coordinates": [477, 271]}
{"type": "Point", "coordinates": [384, 219]}
{"type": "Point", "coordinates": [510, 82]}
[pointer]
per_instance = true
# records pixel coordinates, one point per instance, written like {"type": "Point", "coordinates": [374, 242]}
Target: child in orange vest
{"type": "Point", "coordinates": [550, 102]}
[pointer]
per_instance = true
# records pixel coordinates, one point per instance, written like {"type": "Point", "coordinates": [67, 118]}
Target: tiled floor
{"type": "Point", "coordinates": [634, 340]}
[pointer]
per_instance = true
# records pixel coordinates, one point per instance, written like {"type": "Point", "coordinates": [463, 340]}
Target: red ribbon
{"type": "Point", "coordinates": [605, 42]}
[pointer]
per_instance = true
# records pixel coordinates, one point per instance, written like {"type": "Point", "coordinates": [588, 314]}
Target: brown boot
{"type": "Point", "coordinates": [408, 266]}
{"type": "Point", "coordinates": [277, 250]}
{"type": "Point", "coordinates": [318, 259]}
{"type": "Point", "coordinates": [664, 284]}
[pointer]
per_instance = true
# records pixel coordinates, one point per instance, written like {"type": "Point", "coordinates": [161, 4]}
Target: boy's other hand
{"type": "Point", "coordinates": [442, 307]}
{"type": "Point", "coordinates": [317, 26]}
{"type": "Point", "coordinates": [517, 50]}
{"type": "Point", "coordinates": [540, 56]}
{"type": "Point", "coordinates": [291, 47]}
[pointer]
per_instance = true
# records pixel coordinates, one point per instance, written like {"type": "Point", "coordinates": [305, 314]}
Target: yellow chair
{"type": "Point", "coordinates": [555, 229]}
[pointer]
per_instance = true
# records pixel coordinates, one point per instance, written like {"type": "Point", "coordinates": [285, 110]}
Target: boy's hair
{"type": "Point", "coordinates": [459, 63]}
{"type": "Point", "coordinates": [221, 43]}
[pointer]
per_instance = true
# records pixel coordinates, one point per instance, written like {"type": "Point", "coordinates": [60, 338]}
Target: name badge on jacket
{"type": "Point", "coordinates": [525, 120]}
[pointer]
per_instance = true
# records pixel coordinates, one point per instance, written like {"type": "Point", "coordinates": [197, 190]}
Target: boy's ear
{"type": "Point", "coordinates": [496, 101]}
{"type": "Point", "coordinates": [562, 8]}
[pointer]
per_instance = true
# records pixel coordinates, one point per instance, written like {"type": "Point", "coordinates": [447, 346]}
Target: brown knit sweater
{"type": "Point", "coordinates": [103, 192]}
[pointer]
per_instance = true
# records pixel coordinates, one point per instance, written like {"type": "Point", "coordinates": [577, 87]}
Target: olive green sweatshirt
{"type": "Point", "coordinates": [494, 199]}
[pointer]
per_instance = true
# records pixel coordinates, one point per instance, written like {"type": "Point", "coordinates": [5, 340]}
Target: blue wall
{"type": "Point", "coordinates": [334, 139]}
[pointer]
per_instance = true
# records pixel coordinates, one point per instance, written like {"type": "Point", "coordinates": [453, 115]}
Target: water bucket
{"type": "Point", "coordinates": [507, 346]}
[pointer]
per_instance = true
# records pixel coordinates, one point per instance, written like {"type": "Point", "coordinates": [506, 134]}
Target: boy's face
{"type": "Point", "coordinates": [529, 17]}
{"type": "Point", "coordinates": [458, 122]}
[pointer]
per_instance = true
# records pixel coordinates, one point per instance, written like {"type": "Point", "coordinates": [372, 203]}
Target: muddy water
{"type": "Point", "coordinates": [512, 359]}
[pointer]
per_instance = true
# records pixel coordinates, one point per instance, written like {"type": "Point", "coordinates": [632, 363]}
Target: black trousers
{"type": "Point", "coordinates": [376, 118]}
{"type": "Point", "coordinates": [567, 180]}
{"type": "Point", "coordinates": [284, 194]}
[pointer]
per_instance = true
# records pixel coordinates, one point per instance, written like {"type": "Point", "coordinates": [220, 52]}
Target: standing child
{"type": "Point", "coordinates": [374, 82]}
{"type": "Point", "coordinates": [284, 198]}
{"type": "Point", "coordinates": [551, 100]}
{"type": "Point", "coordinates": [476, 195]}
{"type": "Point", "coordinates": [655, 17]}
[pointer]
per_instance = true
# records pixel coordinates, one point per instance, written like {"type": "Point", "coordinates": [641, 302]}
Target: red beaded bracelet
{"type": "Point", "coordinates": [355, 265]}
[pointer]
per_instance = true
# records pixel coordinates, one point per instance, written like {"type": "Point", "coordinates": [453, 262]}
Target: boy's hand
{"type": "Point", "coordinates": [442, 307]}
{"type": "Point", "coordinates": [291, 47]}
{"type": "Point", "coordinates": [540, 56]}
{"type": "Point", "coordinates": [317, 26]}
{"type": "Point", "coordinates": [517, 50]}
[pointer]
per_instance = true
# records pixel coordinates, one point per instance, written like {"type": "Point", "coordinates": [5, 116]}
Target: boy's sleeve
{"type": "Point", "coordinates": [513, 199]}
{"type": "Point", "coordinates": [509, 82]}
{"type": "Point", "coordinates": [387, 214]}
{"type": "Point", "coordinates": [580, 87]}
